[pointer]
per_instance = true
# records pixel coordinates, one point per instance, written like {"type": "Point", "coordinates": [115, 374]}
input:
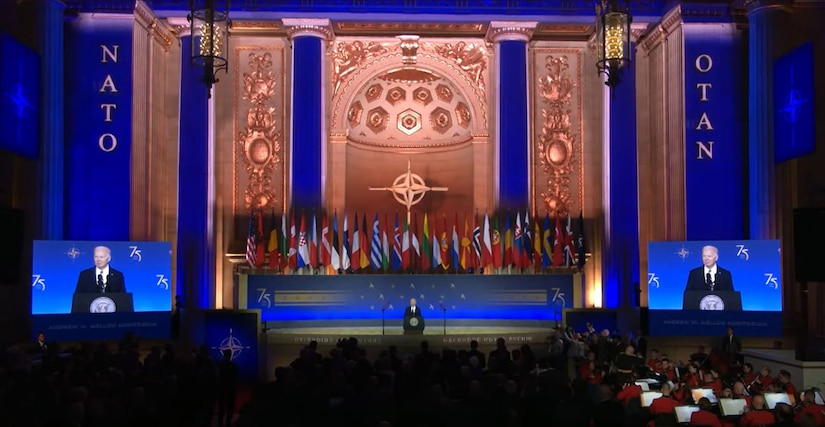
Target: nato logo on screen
{"type": "Point", "coordinates": [794, 102]}
{"type": "Point", "coordinates": [19, 98]}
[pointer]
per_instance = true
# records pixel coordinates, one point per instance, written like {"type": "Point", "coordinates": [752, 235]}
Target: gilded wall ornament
{"type": "Point", "coordinates": [556, 138]}
{"type": "Point", "coordinates": [348, 56]}
{"type": "Point", "coordinates": [471, 58]}
{"type": "Point", "coordinates": [260, 140]}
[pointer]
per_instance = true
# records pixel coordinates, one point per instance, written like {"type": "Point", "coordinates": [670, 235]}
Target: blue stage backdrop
{"type": "Point", "coordinates": [99, 127]}
{"type": "Point", "coordinates": [233, 330]}
{"type": "Point", "coordinates": [57, 265]}
{"type": "Point", "coordinates": [20, 103]}
{"type": "Point", "coordinates": [715, 113]}
{"type": "Point", "coordinates": [755, 267]}
{"type": "Point", "coordinates": [793, 100]}
{"type": "Point", "coordinates": [362, 297]}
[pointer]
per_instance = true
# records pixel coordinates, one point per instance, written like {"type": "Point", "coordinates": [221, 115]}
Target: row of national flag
{"type": "Point", "coordinates": [472, 244]}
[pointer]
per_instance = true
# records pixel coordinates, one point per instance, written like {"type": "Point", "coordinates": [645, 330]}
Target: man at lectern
{"type": "Point", "coordinates": [710, 277]}
{"type": "Point", "coordinates": [413, 319]}
{"type": "Point", "coordinates": [101, 278]}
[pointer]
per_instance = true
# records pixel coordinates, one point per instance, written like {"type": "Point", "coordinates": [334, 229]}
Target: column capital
{"type": "Point", "coordinates": [500, 31]}
{"type": "Point", "coordinates": [308, 27]}
{"type": "Point", "coordinates": [180, 26]}
{"type": "Point", "coordinates": [754, 6]}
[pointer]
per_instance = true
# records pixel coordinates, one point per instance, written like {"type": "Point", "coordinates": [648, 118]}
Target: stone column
{"type": "Point", "coordinates": [620, 264]}
{"type": "Point", "coordinates": [194, 260]}
{"type": "Point", "coordinates": [765, 18]}
{"type": "Point", "coordinates": [308, 133]}
{"type": "Point", "coordinates": [512, 155]}
{"type": "Point", "coordinates": [52, 156]}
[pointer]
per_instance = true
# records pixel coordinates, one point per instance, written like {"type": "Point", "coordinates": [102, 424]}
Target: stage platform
{"type": "Point", "coordinates": [283, 344]}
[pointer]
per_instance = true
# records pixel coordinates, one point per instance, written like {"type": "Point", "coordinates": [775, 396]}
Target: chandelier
{"type": "Point", "coordinates": [209, 27]}
{"type": "Point", "coordinates": [613, 34]}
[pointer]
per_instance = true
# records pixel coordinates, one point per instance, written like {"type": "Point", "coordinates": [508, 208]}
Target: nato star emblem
{"type": "Point", "coordinates": [232, 344]}
{"type": "Point", "coordinates": [18, 97]}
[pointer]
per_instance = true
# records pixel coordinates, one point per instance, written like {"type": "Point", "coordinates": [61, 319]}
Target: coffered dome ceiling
{"type": "Point", "coordinates": [409, 108]}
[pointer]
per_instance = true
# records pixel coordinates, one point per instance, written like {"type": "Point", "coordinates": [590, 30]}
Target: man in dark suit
{"type": "Point", "coordinates": [413, 319]}
{"type": "Point", "coordinates": [709, 277]}
{"type": "Point", "coordinates": [101, 278]}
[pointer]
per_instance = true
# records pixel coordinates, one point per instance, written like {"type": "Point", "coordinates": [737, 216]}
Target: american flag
{"type": "Point", "coordinates": [251, 247]}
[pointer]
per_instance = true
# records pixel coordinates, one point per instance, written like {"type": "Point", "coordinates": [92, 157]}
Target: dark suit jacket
{"type": "Point", "coordinates": [408, 313]}
{"type": "Point", "coordinates": [87, 282]}
{"type": "Point", "coordinates": [696, 280]}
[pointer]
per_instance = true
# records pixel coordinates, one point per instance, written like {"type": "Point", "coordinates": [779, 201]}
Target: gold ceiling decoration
{"type": "Point", "coordinates": [409, 76]}
{"type": "Point", "coordinates": [425, 28]}
{"type": "Point", "coordinates": [564, 31]}
{"type": "Point", "coordinates": [556, 138]}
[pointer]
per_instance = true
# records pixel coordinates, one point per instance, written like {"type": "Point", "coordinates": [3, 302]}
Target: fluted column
{"type": "Point", "coordinates": [195, 271]}
{"type": "Point", "coordinates": [52, 153]}
{"type": "Point", "coordinates": [308, 148]}
{"type": "Point", "coordinates": [620, 264]}
{"type": "Point", "coordinates": [765, 18]}
{"type": "Point", "coordinates": [512, 163]}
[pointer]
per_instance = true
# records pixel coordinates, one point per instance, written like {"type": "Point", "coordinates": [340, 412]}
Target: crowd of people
{"type": "Point", "coordinates": [587, 379]}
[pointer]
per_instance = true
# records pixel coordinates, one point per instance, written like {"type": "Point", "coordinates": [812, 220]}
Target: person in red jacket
{"type": "Point", "coordinates": [653, 363]}
{"type": "Point", "coordinates": [704, 417]}
{"type": "Point", "coordinates": [784, 384]}
{"type": "Point", "coordinates": [764, 381]}
{"type": "Point", "coordinates": [748, 376]}
{"type": "Point", "coordinates": [809, 406]}
{"type": "Point", "coordinates": [692, 378]}
{"type": "Point", "coordinates": [662, 405]}
{"type": "Point", "coordinates": [629, 391]}
{"type": "Point", "coordinates": [713, 384]}
{"type": "Point", "coordinates": [757, 414]}
{"type": "Point", "coordinates": [738, 392]}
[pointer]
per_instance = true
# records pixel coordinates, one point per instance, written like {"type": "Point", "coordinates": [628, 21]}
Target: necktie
{"type": "Point", "coordinates": [413, 310]}
{"type": "Point", "coordinates": [100, 283]}
{"type": "Point", "coordinates": [710, 280]}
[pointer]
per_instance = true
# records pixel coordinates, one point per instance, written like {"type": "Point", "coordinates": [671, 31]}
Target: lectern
{"type": "Point", "coordinates": [712, 300]}
{"type": "Point", "coordinates": [413, 323]}
{"type": "Point", "coordinates": [94, 302]}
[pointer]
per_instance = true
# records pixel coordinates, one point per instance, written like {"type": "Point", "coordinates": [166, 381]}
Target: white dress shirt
{"type": "Point", "coordinates": [712, 271]}
{"type": "Point", "coordinates": [103, 272]}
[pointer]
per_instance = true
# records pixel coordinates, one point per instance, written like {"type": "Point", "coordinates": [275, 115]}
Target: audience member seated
{"type": "Point", "coordinates": [653, 361]}
{"type": "Point", "coordinates": [757, 414]}
{"type": "Point", "coordinates": [609, 412]}
{"type": "Point", "coordinates": [704, 417]}
{"type": "Point", "coordinates": [692, 378]}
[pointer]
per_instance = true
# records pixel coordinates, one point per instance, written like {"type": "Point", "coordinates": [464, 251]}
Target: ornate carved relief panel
{"type": "Point", "coordinates": [260, 154]}
{"type": "Point", "coordinates": [557, 145]}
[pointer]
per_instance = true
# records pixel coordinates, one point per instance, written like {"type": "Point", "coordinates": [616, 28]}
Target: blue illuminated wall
{"type": "Point", "coordinates": [19, 98]}
{"type": "Point", "coordinates": [794, 101]}
{"type": "Point", "coordinates": [362, 297]}
{"type": "Point", "coordinates": [307, 122]}
{"type": "Point", "coordinates": [715, 116]}
{"type": "Point", "coordinates": [99, 127]}
{"type": "Point", "coordinates": [513, 126]}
